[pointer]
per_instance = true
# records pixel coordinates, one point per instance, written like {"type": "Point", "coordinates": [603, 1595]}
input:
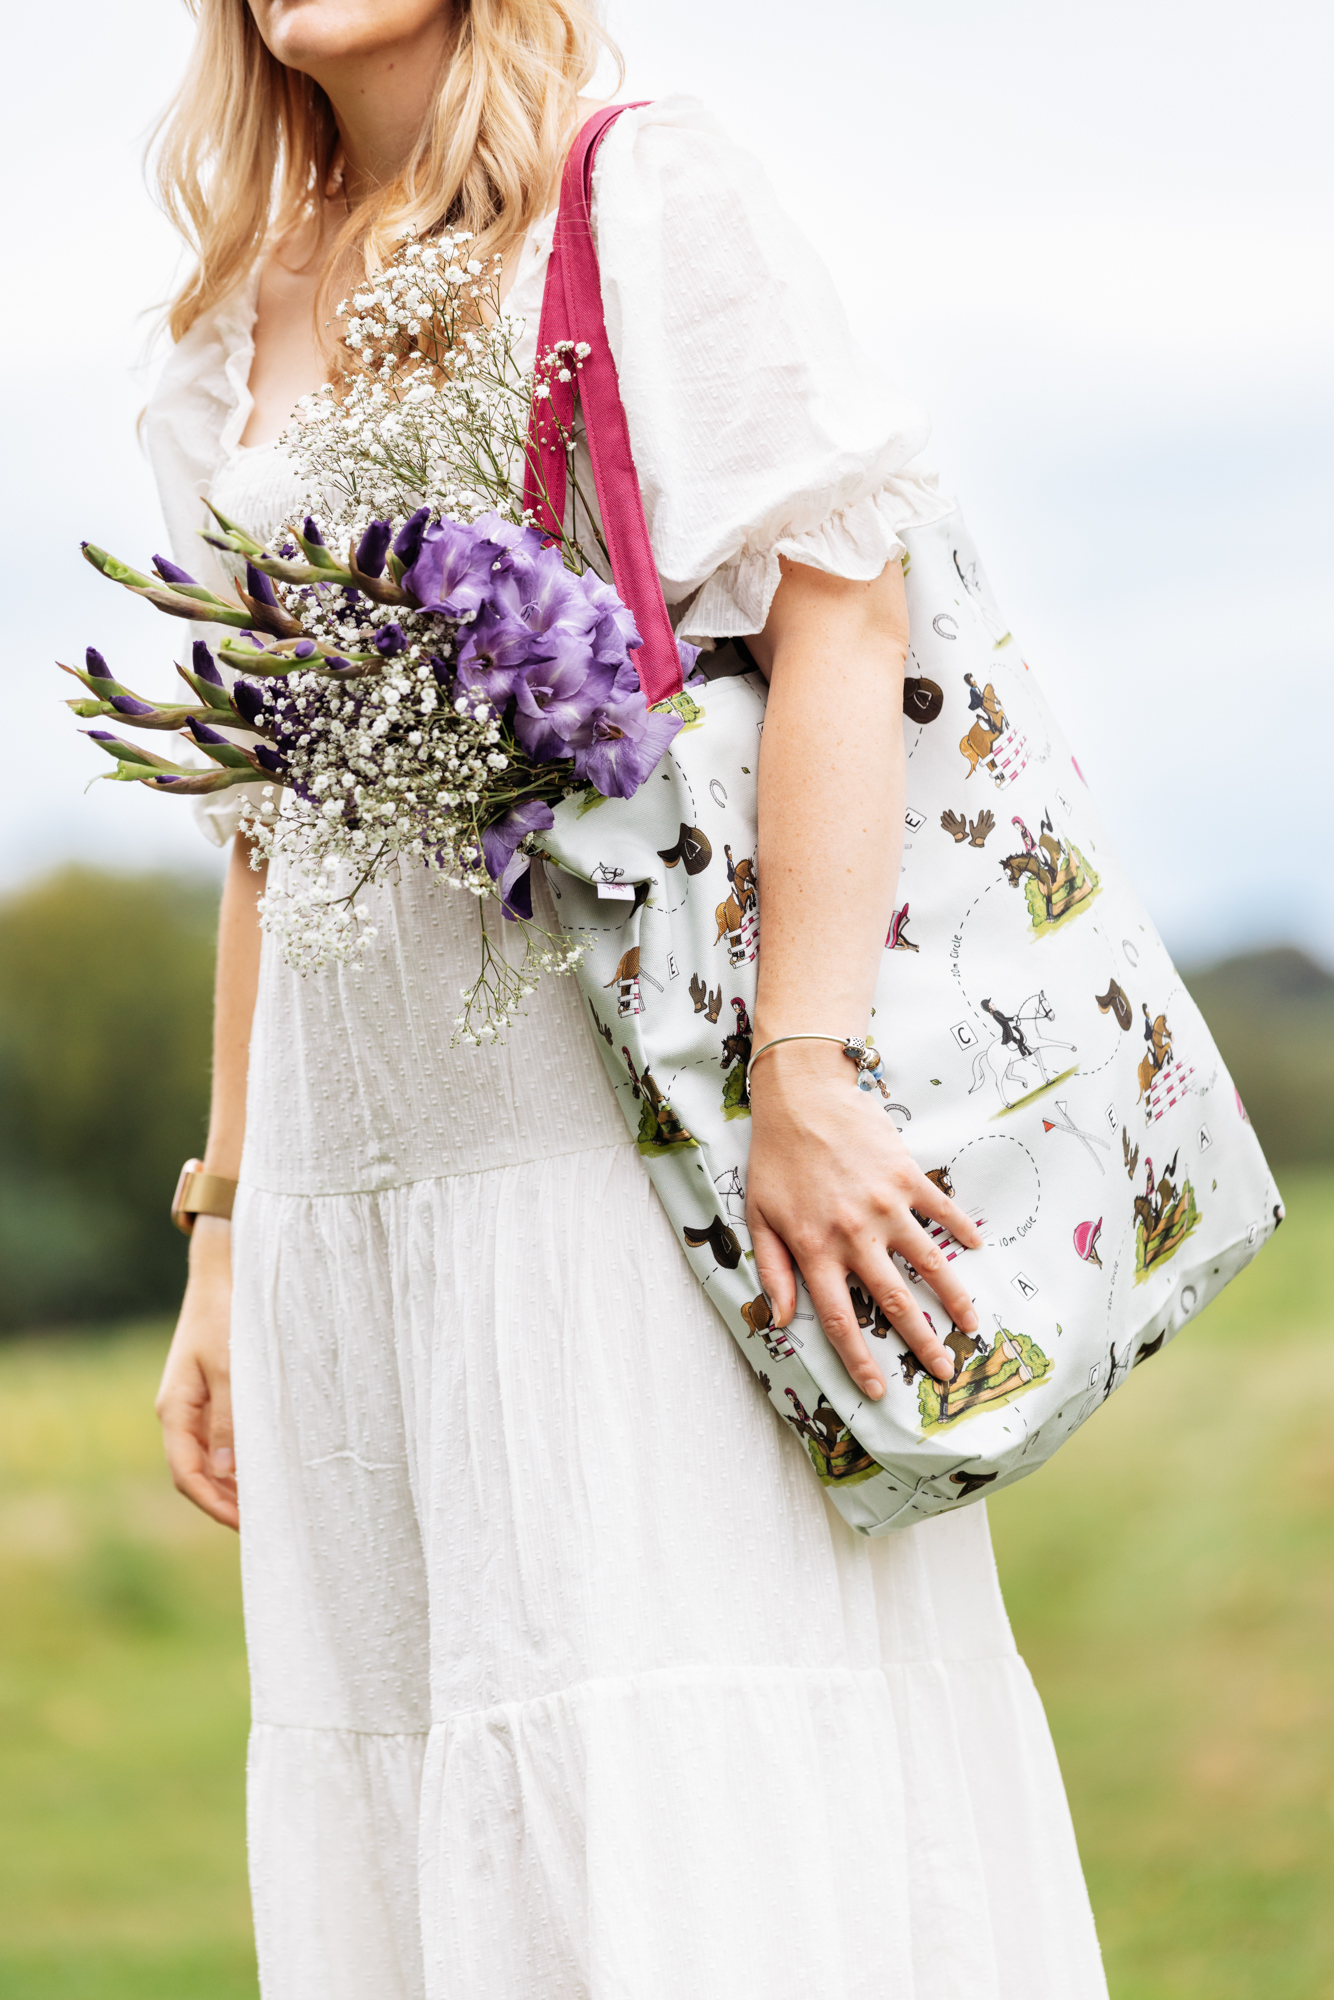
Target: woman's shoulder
{"type": "Point", "coordinates": [681, 206]}
{"type": "Point", "coordinates": [677, 147]}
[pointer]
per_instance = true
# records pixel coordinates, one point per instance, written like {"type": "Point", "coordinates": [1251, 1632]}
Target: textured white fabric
{"type": "Point", "coordinates": [568, 1682]}
{"type": "Point", "coordinates": [759, 427]}
{"type": "Point", "coordinates": [540, 1597]}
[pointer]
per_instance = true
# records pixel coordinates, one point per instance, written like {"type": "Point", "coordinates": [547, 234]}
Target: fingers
{"type": "Point", "coordinates": [196, 1417]}
{"type": "Point", "coordinates": [828, 1287]}
{"type": "Point", "coordinates": [775, 1268]}
{"type": "Point", "coordinates": [192, 1475]}
{"type": "Point", "coordinates": [928, 1200]}
{"type": "Point", "coordinates": [944, 1277]}
{"type": "Point", "coordinates": [886, 1284]}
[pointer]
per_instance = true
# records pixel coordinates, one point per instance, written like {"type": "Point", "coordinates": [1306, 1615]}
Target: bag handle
{"type": "Point", "coordinates": [572, 311]}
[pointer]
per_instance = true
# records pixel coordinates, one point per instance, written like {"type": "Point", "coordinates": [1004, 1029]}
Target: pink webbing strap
{"type": "Point", "coordinates": [572, 310]}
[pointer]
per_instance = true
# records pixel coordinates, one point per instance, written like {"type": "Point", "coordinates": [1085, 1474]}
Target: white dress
{"type": "Point", "coordinates": [568, 1683]}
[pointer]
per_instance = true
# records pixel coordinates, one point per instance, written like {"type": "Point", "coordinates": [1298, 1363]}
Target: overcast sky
{"type": "Point", "coordinates": [1094, 240]}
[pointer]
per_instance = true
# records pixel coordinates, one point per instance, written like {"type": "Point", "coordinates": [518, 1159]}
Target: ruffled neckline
{"type": "Point", "coordinates": [235, 323]}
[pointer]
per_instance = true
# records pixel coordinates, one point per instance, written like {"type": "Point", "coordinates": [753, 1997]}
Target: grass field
{"type": "Point", "coordinates": [1170, 1576]}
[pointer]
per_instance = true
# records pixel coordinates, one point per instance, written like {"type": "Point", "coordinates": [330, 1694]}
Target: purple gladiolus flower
{"type": "Point", "coordinates": [373, 548]}
{"type": "Point", "coordinates": [504, 864]}
{"type": "Point", "coordinates": [249, 701]}
{"type": "Point", "coordinates": [688, 656]}
{"type": "Point", "coordinates": [201, 731]}
{"type": "Point", "coordinates": [497, 649]}
{"type": "Point", "coordinates": [389, 640]}
{"type": "Point", "coordinates": [126, 704]}
{"type": "Point", "coordinates": [627, 741]}
{"type": "Point", "coordinates": [453, 570]}
{"type": "Point", "coordinates": [271, 760]}
{"type": "Point", "coordinates": [557, 701]}
{"type": "Point", "coordinates": [409, 537]}
{"type": "Point", "coordinates": [303, 649]}
{"type": "Point", "coordinates": [612, 615]}
{"type": "Point", "coordinates": [520, 547]}
{"type": "Point", "coordinates": [204, 664]}
{"type": "Point", "coordinates": [311, 531]}
{"type": "Point", "coordinates": [98, 667]}
{"type": "Point", "coordinates": [258, 586]}
{"type": "Point", "coordinates": [546, 597]}
{"type": "Point", "coordinates": [171, 572]}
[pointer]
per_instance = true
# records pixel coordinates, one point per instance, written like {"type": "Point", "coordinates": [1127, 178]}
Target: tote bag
{"type": "Point", "coordinates": [1047, 1065]}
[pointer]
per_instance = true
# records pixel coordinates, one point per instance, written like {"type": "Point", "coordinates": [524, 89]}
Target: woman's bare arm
{"type": "Point", "coordinates": [194, 1402]}
{"type": "Point", "coordinates": [831, 1183]}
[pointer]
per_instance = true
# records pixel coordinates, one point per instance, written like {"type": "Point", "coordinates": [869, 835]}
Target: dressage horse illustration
{"type": "Point", "coordinates": [1018, 1055]}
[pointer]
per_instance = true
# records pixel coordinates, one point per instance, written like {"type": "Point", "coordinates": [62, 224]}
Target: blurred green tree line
{"type": "Point", "coordinates": [105, 1021]}
{"type": "Point", "coordinates": [106, 1005]}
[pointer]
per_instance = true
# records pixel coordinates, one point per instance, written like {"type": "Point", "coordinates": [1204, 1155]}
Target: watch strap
{"type": "Point", "coordinates": [200, 1193]}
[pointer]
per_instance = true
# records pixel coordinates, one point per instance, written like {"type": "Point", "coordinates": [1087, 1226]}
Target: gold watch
{"type": "Point", "coordinates": [198, 1193]}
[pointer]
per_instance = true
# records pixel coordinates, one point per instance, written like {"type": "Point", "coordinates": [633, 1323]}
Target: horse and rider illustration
{"type": "Point", "coordinates": [735, 1062]}
{"type": "Point", "coordinates": [1018, 1055]}
{"type": "Point", "coordinates": [737, 916]}
{"type": "Point", "coordinates": [1056, 879]}
{"type": "Point", "coordinates": [1159, 1038]}
{"type": "Point", "coordinates": [835, 1453]}
{"type": "Point", "coordinates": [1164, 1079]}
{"type": "Point", "coordinates": [988, 726]}
{"type": "Point", "coordinates": [1164, 1217]}
{"type": "Point", "coordinates": [759, 1319]}
{"type": "Point", "coordinates": [659, 1126]}
{"type": "Point", "coordinates": [990, 1376]}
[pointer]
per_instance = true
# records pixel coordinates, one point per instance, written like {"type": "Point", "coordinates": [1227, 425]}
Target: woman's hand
{"type": "Point", "coordinates": [832, 1185]}
{"type": "Point", "coordinates": [830, 1182]}
{"type": "Point", "coordinates": [194, 1403]}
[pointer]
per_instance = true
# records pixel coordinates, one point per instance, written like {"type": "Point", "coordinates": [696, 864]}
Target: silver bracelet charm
{"type": "Point", "coordinates": [870, 1070]}
{"type": "Point", "coordinates": [870, 1065]}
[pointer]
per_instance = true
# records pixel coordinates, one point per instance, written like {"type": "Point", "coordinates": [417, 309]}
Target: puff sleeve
{"type": "Point", "coordinates": [759, 427]}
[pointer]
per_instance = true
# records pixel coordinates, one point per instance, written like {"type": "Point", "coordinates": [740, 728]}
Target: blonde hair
{"type": "Point", "coordinates": [246, 146]}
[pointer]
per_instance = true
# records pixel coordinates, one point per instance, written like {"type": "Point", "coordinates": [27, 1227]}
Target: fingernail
{"type": "Point", "coordinates": [968, 1323]}
{"type": "Point", "coordinates": [875, 1390]}
{"type": "Point", "coordinates": [947, 1363]}
{"type": "Point", "coordinates": [224, 1461]}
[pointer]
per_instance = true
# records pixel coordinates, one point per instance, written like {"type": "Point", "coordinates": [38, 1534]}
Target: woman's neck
{"type": "Point", "coordinates": [382, 99]}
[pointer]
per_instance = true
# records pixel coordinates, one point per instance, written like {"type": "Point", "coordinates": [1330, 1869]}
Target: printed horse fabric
{"type": "Point", "coordinates": [1047, 1066]}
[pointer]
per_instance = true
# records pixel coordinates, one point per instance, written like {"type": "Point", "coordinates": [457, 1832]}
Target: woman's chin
{"type": "Point", "coordinates": [309, 35]}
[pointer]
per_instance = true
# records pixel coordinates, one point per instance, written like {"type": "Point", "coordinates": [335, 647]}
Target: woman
{"type": "Point", "coordinates": [634, 1715]}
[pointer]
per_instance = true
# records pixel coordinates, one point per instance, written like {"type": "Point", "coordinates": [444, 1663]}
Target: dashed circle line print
{"type": "Point", "coordinates": [971, 1004]}
{"type": "Point", "coordinates": [958, 962]}
{"type": "Point", "coordinates": [671, 909]}
{"type": "Point", "coordinates": [1005, 1139]}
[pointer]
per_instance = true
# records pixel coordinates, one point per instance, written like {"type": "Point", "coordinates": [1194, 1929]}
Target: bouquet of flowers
{"type": "Point", "coordinates": [428, 696]}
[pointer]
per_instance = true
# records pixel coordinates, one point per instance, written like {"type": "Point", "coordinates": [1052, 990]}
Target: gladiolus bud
{"type": "Point", "coordinates": [373, 548]}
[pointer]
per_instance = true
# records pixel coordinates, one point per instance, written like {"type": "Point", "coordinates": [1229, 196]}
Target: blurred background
{"type": "Point", "coordinates": [1096, 242]}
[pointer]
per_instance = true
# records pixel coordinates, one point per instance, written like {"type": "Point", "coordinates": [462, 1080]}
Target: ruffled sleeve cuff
{"type": "Point", "coordinates": [855, 541]}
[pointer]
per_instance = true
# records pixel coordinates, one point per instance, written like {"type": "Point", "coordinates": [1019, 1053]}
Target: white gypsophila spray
{"type": "Point", "coordinates": [434, 407]}
{"type": "Point", "coordinates": [427, 698]}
